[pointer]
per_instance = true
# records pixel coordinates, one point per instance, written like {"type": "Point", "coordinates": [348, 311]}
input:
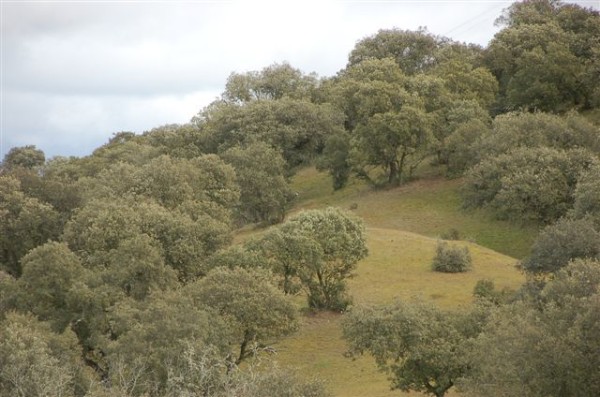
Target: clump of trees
{"type": "Point", "coordinates": [542, 346]}
{"type": "Point", "coordinates": [528, 184]}
{"type": "Point", "coordinates": [123, 281]}
{"type": "Point", "coordinates": [404, 94]}
{"type": "Point", "coordinates": [129, 283]}
{"type": "Point", "coordinates": [529, 57]}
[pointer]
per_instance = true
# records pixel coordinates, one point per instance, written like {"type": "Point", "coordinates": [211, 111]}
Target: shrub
{"type": "Point", "coordinates": [485, 290]}
{"type": "Point", "coordinates": [560, 243]}
{"type": "Point", "coordinates": [451, 258]}
{"type": "Point", "coordinates": [587, 196]}
{"type": "Point", "coordinates": [536, 184]}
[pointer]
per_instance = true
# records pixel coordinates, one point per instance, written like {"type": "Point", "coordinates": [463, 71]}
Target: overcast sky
{"type": "Point", "coordinates": [75, 72]}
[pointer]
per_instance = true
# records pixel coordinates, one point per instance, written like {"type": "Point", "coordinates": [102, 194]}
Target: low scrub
{"type": "Point", "coordinates": [451, 258]}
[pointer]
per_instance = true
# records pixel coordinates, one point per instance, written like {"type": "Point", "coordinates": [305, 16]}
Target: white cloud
{"type": "Point", "coordinates": [76, 124]}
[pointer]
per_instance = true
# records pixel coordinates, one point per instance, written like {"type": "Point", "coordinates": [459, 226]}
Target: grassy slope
{"type": "Point", "coordinates": [430, 207]}
{"type": "Point", "coordinates": [398, 267]}
{"type": "Point", "coordinates": [402, 225]}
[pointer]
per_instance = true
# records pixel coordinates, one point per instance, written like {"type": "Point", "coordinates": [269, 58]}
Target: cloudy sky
{"type": "Point", "coordinates": [75, 72]}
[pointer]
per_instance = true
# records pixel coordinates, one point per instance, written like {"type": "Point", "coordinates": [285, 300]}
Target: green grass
{"type": "Point", "coordinates": [403, 225]}
{"type": "Point", "coordinates": [399, 266]}
{"type": "Point", "coordinates": [429, 207]}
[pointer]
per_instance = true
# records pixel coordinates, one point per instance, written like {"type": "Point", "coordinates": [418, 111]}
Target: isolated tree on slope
{"type": "Point", "coordinates": [329, 244]}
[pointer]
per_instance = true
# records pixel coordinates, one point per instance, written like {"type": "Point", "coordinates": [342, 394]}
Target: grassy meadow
{"type": "Point", "coordinates": [429, 206]}
{"type": "Point", "coordinates": [403, 225]}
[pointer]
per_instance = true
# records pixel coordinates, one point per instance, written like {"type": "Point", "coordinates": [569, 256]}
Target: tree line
{"type": "Point", "coordinates": [118, 275]}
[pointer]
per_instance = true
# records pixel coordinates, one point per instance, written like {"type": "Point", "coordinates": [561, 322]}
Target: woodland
{"type": "Point", "coordinates": [200, 259]}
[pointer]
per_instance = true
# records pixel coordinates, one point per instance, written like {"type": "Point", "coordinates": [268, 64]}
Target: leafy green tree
{"type": "Point", "coordinates": [587, 196]}
{"type": "Point", "coordinates": [184, 242]}
{"type": "Point", "coordinates": [394, 141]}
{"type": "Point", "coordinates": [554, 39]}
{"type": "Point", "coordinates": [25, 223]}
{"type": "Point", "coordinates": [460, 147]}
{"type": "Point", "coordinates": [254, 309]}
{"type": "Point", "coordinates": [99, 227]}
{"type": "Point", "coordinates": [123, 147]}
{"type": "Point", "coordinates": [536, 184]}
{"type": "Point", "coordinates": [458, 125]}
{"type": "Point", "coordinates": [150, 339]}
{"type": "Point", "coordinates": [276, 81]}
{"type": "Point", "coordinates": [335, 159]}
{"type": "Point", "coordinates": [9, 294]}
{"type": "Point", "coordinates": [49, 273]}
{"type": "Point", "coordinates": [296, 128]}
{"type": "Point", "coordinates": [171, 182]}
{"type": "Point", "coordinates": [264, 192]}
{"type": "Point", "coordinates": [545, 79]}
{"type": "Point", "coordinates": [237, 255]}
{"type": "Point", "coordinates": [543, 129]}
{"type": "Point", "coordinates": [560, 243]}
{"type": "Point", "coordinates": [138, 267]}
{"type": "Point", "coordinates": [36, 362]}
{"type": "Point", "coordinates": [420, 347]}
{"type": "Point", "coordinates": [91, 303]}
{"type": "Point", "coordinates": [286, 253]}
{"type": "Point", "coordinates": [28, 157]}
{"type": "Point", "coordinates": [388, 127]}
{"type": "Point", "coordinates": [330, 244]}
{"type": "Point", "coordinates": [369, 87]}
{"type": "Point", "coordinates": [177, 140]}
{"type": "Point", "coordinates": [466, 81]}
{"type": "Point", "coordinates": [413, 51]}
{"type": "Point", "coordinates": [115, 182]}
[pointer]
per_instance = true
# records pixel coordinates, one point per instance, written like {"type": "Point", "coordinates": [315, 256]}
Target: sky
{"type": "Point", "coordinates": [73, 73]}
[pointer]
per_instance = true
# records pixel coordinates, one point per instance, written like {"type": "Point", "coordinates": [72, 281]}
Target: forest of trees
{"type": "Point", "coordinates": [119, 275]}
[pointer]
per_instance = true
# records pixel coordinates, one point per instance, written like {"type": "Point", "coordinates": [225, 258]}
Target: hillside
{"type": "Point", "coordinates": [301, 231]}
{"type": "Point", "coordinates": [398, 267]}
{"type": "Point", "coordinates": [430, 206]}
{"type": "Point", "coordinates": [402, 229]}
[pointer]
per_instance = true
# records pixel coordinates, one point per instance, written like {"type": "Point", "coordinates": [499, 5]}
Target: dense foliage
{"type": "Point", "coordinates": [420, 347]}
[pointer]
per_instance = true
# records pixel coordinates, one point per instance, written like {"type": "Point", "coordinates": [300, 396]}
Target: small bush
{"type": "Point", "coordinates": [451, 258]}
{"type": "Point", "coordinates": [485, 290]}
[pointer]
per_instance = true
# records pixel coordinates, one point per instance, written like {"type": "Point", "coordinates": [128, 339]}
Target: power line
{"type": "Point", "coordinates": [477, 17]}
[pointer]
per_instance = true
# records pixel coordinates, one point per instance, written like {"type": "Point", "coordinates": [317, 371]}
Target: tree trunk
{"type": "Point", "coordinates": [393, 176]}
{"type": "Point", "coordinates": [243, 347]}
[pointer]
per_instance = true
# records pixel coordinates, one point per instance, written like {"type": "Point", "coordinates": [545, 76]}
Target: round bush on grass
{"type": "Point", "coordinates": [451, 258]}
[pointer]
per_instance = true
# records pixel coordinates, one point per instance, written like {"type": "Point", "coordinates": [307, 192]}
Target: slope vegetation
{"type": "Point", "coordinates": [403, 225]}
